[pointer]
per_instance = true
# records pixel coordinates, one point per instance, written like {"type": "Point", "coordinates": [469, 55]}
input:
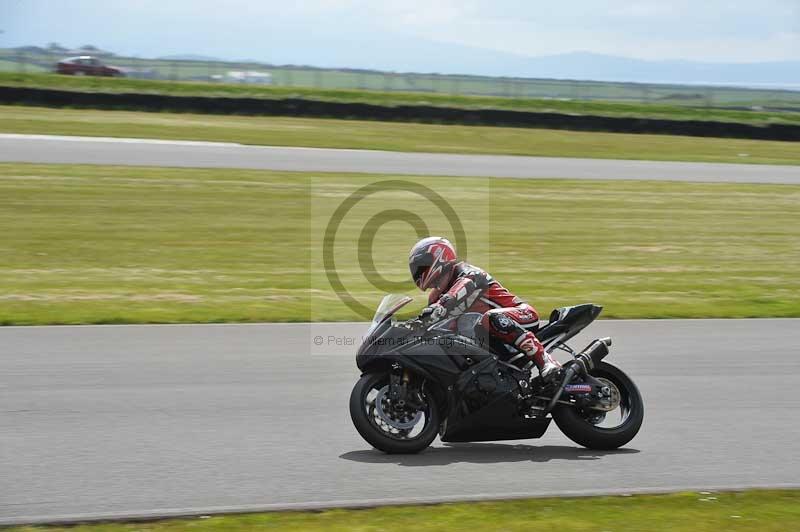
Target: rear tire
{"type": "Point", "coordinates": [369, 430]}
{"type": "Point", "coordinates": [578, 429]}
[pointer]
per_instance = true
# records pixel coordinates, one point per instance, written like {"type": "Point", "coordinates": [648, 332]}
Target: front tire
{"type": "Point", "coordinates": [374, 426]}
{"type": "Point", "coordinates": [578, 426]}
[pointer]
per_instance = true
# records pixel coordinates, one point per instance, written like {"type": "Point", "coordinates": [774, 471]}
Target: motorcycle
{"type": "Point", "coordinates": [421, 379]}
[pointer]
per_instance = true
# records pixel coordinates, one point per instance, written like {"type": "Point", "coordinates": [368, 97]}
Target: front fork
{"type": "Point", "coordinates": [401, 392]}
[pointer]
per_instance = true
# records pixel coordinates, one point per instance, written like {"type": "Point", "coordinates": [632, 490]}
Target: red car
{"type": "Point", "coordinates": [86, 65]}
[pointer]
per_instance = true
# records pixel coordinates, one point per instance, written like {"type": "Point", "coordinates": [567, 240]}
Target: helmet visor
{"type": "Point", "coordinates": [418, 272]}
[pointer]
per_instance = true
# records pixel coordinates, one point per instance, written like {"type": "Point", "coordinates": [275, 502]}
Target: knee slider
{"type": "Point", "coordinates": [500, 322]}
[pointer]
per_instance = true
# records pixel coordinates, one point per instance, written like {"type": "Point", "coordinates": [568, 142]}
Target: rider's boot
{"type": "Point", "coordinates": [548, 366]}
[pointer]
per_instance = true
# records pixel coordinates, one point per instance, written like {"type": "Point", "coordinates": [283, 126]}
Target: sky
{"type": "Point", "coordinates": [373, 33]}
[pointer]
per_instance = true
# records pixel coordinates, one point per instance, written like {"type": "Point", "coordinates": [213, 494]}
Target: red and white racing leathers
{"type": "Point", "coordinates": [506, 317]}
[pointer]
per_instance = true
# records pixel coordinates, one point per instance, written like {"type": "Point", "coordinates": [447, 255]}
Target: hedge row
{"type": "Point", "coordinates": [403, 113]}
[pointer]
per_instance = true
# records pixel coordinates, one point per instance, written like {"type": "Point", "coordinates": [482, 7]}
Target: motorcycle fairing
{"type": "Point", "coordinates": [486, 408]}
{"type": "Point", "coordinates": [389, 344]}
{"type": "Point", "coordinates": [494, 423]}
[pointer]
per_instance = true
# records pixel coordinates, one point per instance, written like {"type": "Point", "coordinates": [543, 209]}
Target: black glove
{"type": "Point", "coordinates": [433, 312]}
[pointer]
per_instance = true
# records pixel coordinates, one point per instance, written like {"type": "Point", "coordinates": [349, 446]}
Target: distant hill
{"type": "Point", "coordinates": [188, 57]}
{"type": "Point", "coordinates": [401, 54]}
{"type": "Point", "coordinates": [585, 65]}
{"type": "Point", "coordinates": [456, 59]}
{"type": "Point", "coordinates": [429, 57]}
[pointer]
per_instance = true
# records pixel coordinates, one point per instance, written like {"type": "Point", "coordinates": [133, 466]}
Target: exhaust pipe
{"type": "Point", "coordinates": [592, 355]}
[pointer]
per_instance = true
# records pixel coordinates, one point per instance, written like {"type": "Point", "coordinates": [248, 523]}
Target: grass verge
{"type": "Point", "coordinates": [94, 244]}
{"type": "Point", "coordinates": [330, 133]}
{"type": "Point", "coordinates": [757, 510]}
{"type": "Point", "coordinates": [394, 98]}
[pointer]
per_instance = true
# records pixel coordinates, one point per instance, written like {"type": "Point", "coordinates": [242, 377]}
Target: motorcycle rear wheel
{"type": "Point", "coordinates": [379, 430]}
{"type": "Point", "coordinates": [578, 426]}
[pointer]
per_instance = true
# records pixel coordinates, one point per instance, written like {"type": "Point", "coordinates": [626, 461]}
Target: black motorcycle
{"type": "Point", "coordinates": [420, 379]}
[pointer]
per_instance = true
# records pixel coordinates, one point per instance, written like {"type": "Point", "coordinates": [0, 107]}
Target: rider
{"type": "Point", "coordinates": [459, 287]}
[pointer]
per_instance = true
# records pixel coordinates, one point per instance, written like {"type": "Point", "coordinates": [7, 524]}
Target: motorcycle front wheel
{"type": "Point", "coordinates": [389, 427]}
{"type": "Point", "coordinates": [604, 430]}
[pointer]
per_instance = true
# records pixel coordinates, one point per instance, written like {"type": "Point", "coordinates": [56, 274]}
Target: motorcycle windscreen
{"type": "Point", "coordinates": [388, 306]}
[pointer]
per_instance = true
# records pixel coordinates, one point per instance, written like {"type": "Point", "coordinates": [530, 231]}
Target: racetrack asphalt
{"type": "Point", "coordinates": [146, 152]}
{"type": "Point", "coordinates": [141, 421]}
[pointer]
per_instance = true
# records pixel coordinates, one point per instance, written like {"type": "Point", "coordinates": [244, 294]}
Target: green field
{"type": "Point", "coordinates": [600, 107]}
{"type": "Point", "coordinates": [93, 244]}
{"type": "Point", "coordinates": [329, 133]}
{"type": "Point", "coordinates": [762, 511]}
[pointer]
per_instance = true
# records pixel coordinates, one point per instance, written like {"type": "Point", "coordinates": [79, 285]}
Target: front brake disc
{"type": "Point", "coordinates": [388, 418]}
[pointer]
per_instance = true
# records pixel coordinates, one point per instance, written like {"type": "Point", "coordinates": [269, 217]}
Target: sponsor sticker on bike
{"type": "Point", "coordinates": [578, 388]}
